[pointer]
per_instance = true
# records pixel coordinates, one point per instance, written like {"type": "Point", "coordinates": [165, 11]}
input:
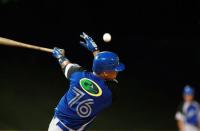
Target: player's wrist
{"type": "Point", "coordinates": [95, 52]}
{"type": "Point", "coordinates": [62, 59]}
{"type": "Point", "coordinates": [94, 49]}
{"type": "Point", "coordinates": [58, 53]}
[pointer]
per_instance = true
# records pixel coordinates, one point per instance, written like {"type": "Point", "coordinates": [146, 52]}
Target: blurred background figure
{"type": "Point", "coordinates": [188, 114]}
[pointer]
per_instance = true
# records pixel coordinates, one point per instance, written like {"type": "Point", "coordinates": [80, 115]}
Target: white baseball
{"type": "Point", "coordinates": [107, 37]}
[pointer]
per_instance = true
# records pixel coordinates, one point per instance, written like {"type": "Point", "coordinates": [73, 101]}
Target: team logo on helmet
{"type": "Point", "coordinates": [90, 87]}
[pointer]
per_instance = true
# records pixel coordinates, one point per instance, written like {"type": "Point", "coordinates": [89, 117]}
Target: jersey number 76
{"type": "Point", "coordinates": [83, 108]}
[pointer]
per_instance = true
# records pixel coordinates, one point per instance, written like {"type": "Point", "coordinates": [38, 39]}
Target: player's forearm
{"type": "Point", "coordinates": [63, 62]}
{"type": "Point", "coordinates": [180, 125]}
{"type": "Point", "coordinates": [199, 126]}
{"type": "Point", "coordinates": [96, 52]}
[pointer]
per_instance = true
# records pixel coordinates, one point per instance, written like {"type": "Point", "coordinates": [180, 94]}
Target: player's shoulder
{"type": "Point", "coordinates": [91, 84]}
{"type": "Point", "coordinates": [196, 104]}
{"type": "Point", "coordinates": [85, 75]}
{"type": "Point", "coordinates": [90, 77]}
{"type": "Point", "coordinates": [82, 74]}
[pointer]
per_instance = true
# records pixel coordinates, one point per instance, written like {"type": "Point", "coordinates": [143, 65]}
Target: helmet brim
{"type": "Point", "coordinates": [120, 67]}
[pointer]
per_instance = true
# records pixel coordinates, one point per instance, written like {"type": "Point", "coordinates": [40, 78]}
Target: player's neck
{"type": "Point", "coordinates": [98, 75]}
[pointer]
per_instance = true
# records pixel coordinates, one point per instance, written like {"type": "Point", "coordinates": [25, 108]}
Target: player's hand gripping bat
{"type": "Point", "coordinates": [9, 42]}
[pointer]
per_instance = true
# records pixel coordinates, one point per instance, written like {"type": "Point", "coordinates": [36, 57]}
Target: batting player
{"type": "Point", "coordinates": [89, 92]}
{"type": "Point", "coordinates": [188, 114]}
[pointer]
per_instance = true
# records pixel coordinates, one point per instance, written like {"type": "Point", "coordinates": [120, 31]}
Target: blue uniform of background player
{"type": "Point", "coordinates": [89, 92]}
{"type": "Point", "coordinates": [188, 114]}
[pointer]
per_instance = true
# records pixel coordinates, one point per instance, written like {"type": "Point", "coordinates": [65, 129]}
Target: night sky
{"type": "Point", "coordinates": [157, 41]}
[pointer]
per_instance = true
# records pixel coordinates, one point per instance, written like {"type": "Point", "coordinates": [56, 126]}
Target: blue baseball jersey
{"type": "Point", "coordinates": [86, 97]}
{"type": "Point", "coordinates": [189, 113]}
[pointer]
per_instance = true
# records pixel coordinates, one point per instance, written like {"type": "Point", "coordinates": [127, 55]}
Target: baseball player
{"type": "Point", "coordinates": [89, 92]}
{"type": "Point", "coordinates": [188, 114]}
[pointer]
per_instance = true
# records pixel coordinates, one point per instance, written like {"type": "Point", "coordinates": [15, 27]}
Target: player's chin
{"type": "Point", "coordinates": [111, 77]}
{"type": "Point", "coordinates": [108, 75]}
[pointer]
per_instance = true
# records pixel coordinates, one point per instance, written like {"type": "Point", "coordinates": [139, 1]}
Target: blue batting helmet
{"type": "Point", "coordinates": [188, 90]}
{"type": "Point", "coordinates": [107, 61]}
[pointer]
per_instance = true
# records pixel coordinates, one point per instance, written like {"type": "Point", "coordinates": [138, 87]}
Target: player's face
{"type": "Point", "coordinates": [109, 75]}
{"type": "Point", "coordinates": [188, 98]}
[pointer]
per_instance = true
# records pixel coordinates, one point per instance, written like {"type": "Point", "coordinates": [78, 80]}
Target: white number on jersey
{"type": "Point", "coordinates": [83, 109]}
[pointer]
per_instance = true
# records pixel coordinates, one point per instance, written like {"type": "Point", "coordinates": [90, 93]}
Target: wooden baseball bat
{"type": "Point", "coordinates": [9, 42]}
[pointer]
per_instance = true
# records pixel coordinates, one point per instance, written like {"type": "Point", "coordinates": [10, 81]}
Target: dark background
{"type": "Point", "coordinates": [157, 41]}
